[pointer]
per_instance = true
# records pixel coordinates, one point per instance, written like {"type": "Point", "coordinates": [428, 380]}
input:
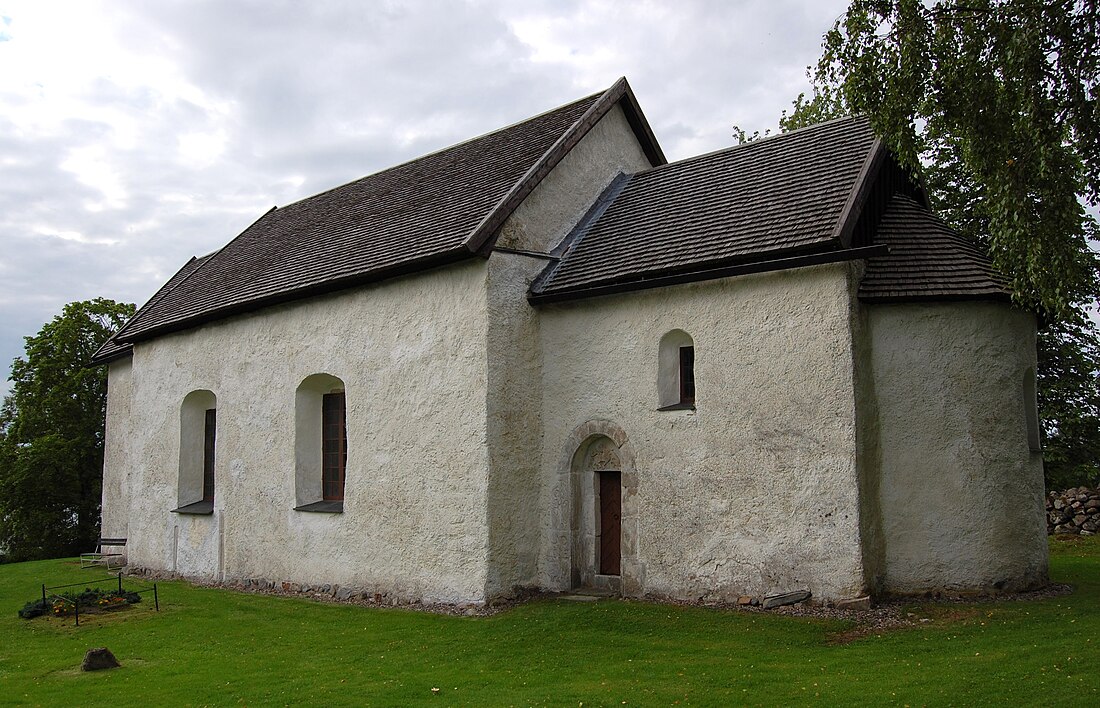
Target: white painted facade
{"type": "Point", "coordinates": [960, 488]}
{"type": "Point", "coordinates": [476, 423]}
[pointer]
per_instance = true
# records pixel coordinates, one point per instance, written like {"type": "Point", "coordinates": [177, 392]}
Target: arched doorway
{"type": "Point", "coordinates": [604, 548]}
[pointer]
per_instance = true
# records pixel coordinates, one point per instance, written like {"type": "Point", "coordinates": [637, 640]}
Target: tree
{"type": "Point", "coordinates": [1009, 86]}
{"type": "Point", "coordinates": [1068, 378]}
{"type": "Point", "coordinates": [51, 435]}
{"type": "Point", "coordinates": [994, 104]}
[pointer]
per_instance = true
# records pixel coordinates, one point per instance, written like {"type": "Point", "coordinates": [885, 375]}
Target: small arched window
{"type": "Point", "coordinates": [676, 371]}
{"type": "Point", "coordinates": [320, 444]}
{"type": "Point", "coordinates": [198, 442]}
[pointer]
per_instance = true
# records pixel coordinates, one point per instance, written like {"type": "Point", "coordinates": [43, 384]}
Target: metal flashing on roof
{"type": "Point", "coordinates": [606, 197]}
{"type": "Point", "coordinates": [786, 194]}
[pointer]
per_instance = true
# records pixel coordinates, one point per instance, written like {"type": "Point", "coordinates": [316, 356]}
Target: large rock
{"type": "Point", "coordinates": [99, 659]}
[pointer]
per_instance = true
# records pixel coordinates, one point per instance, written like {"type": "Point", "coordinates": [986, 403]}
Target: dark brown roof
{"type": "Point", "coordinates": [437, 209]}
{"type": "Point", "coordinates": [927, 260]}
{"type": "Point", "coordinates": [114, 349]}
{"type": "Point", "coordinates": [792, 193]}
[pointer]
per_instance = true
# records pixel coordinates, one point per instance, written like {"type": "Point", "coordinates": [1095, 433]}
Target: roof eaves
{"type": "Point", "coordinates": [98, 359]}
{"type": "Point", "coordinates": [122, 336]}
{"type": "Point", "coordinates": [658, 280]}
{"type": "Point", "coordinates": [416, 265]}
{"type": "Point", "coordinates": [483, 236]}
{"type": "Point", "coordinates": [914, 297]}
{"type": "Point", "coordinates": [104, 355]}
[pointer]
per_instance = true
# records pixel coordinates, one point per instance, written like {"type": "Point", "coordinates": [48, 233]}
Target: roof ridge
{"type": "Point", "coordinates": [770, 140]}
{"type": "Point", "coordinates": [486, 232]}
{"type": "Point", "coordinates": [446, 148]}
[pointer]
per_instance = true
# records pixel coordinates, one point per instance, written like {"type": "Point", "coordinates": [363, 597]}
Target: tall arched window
{"type": "Point", "coordinates": [198, 443]}
{"type": "Point", "coordinates": [320, 444]}
{"type": "Point", "coordinates": [676, 371]}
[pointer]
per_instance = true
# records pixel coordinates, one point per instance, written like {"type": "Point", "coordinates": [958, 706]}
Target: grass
{"type": "Point", "coordinates": [217, 647]}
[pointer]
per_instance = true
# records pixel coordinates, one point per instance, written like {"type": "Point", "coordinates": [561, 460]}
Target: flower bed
{"type": "Point", "coordinates": [89, 599]}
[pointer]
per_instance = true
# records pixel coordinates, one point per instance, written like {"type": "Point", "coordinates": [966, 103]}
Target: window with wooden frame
{"type": "Point", "coordinates": [198, 442]}
{"type": "Point", "coordinates": [210, 427]}
{"type": "Point", "coordinates": [320, 444]}
{"type": "Point", "coordinates": [676, 371]}
{"type": "Point", "coordinates": [687, 375]}
{"type": "Point", "coordinates": [334, 446]}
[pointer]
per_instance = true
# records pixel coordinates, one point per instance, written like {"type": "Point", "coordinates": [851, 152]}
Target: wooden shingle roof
{"type": "Point", "coordinates": [786, 201]}
{"type": "Point", "coordinates": [113, 348]}
{"type": "Point", "coordinates": [778, 196]}
{"type": "Point", "coordinates": [927, 260]}
{"type": "Point", "coordinates": [441, 208]}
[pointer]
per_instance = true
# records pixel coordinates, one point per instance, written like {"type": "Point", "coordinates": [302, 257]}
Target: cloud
{"type": "Point", "coordinates": [133, 136]}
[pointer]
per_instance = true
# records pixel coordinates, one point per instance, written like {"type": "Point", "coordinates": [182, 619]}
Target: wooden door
{"type": "Point", "coordinates": [610, 522]}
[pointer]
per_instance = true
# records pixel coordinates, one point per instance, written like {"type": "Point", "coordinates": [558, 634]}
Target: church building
{"type": "Point", "coordinates": [546, 358]}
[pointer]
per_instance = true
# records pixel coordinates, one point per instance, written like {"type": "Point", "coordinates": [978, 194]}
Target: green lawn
{"type": "Point", "coordinates": [215, 647]}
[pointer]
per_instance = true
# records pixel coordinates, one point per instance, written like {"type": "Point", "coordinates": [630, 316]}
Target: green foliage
{"type": "Point", "coordinates": [217, 647]}
{"type": "Point", "coordinates": [825, 105]}
{"type": "Point", "coordinates": [51, 435]}
{"type": "Point", "coordinates": [1010, 89]}
{"type": "Point", "coordinates": [994, 104]}
{"type": "Point", "coordinates": [1068, 375]}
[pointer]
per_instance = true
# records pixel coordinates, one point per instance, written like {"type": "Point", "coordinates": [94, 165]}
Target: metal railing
{"type": "Point", "coordinates": [76, 601]}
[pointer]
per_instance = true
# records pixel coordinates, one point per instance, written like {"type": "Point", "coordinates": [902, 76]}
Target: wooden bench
{"type": "Point", "coordinates": [102, 557]}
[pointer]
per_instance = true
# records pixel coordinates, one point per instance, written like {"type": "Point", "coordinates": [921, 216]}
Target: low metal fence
{"type": "Point", "coordinates": [136, 589]}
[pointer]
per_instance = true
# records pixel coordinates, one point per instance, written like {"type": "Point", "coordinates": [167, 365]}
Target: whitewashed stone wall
{"type": "Point", "coordinates": [514, 355]}
{"type": "Point", "coordinates": [960, 492]}
{"type": "Point", "coordinates": [411, 354]}
{"type": "Point", "coordinates": [775, 421]}
{"type": "Point", "coordinates": [120, 433]}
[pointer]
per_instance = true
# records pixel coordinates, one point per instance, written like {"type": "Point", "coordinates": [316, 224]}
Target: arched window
{"type": "Point", "coordinates": [1031, 411]}
{"type": "Point", "coordinates": [198, 438]}
{"type": "Point", "coordinates": [320, 444]}
{"type": "Point", "coordinates": [676, 371]}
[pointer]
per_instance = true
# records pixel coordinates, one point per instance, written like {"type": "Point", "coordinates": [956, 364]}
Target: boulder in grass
{"type": "Point", "coordinates": [99, 659]}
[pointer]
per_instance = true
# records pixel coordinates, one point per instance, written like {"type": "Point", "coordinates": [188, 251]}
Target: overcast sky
{"type": "Point", "coordinates": [135, 135]}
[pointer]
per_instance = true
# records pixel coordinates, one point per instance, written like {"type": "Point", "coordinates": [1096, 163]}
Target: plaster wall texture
{"type": "Point", "coordinates": [514, 362]}
{"type": "Point", "coordinates": [961, 493]}
{"type": "Point", "coordinates": [755, 491]}
{"type": "Point", "coordinates": [551, 211]}
{"type": "Point", "coordinates": [411, 356]}
{"type": "Point", "coordinates": [115, 501]}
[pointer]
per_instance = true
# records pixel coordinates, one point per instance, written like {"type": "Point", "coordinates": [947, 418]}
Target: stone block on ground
{"type": "Point", "coordinates": [99, 659]}
{"type": "Point", "coordinates": [855, 603]}
{"type": "Point", "coordinates": [787, 598]}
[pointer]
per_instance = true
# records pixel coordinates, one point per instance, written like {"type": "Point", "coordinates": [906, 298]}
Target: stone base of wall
{"type": "Point", "coordinates": [1074, 511]}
